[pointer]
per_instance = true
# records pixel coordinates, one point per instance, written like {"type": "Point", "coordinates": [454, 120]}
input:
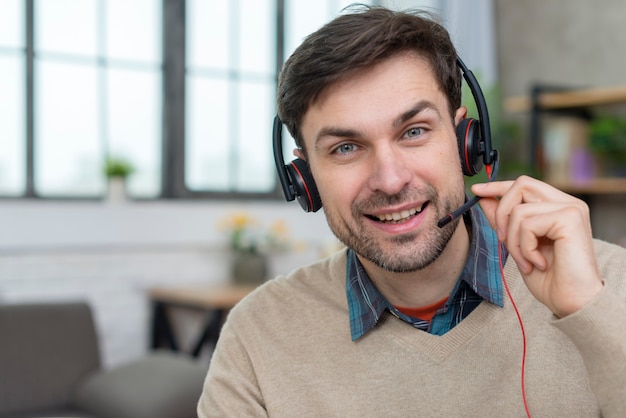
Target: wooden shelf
{"type": "Point", "coordinates": [217, 296]}
{"type": "Point", "coordinates": [542, 99]}
{"type": "Point", "coordinates": [569, 99]}
{"type": "Point", "coordinates": [615, 185]}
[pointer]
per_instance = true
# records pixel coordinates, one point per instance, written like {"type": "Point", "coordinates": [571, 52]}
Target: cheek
{"type": "Point", "coordinates": [336, 188]}
{"type": "Point", "coordinates": [436, 166]}
{"type": "Point", "coordinates": [450, 162]}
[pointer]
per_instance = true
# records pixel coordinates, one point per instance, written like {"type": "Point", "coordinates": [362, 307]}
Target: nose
{"type": "Point", "coordinates": [390, 170]}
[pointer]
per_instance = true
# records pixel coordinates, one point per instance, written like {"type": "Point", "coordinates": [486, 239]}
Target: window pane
{"type": "Point", "coordinates": [208, 37]}
{"type": "Point", "coordinates": [301, 19]}
{"type": "Point", "coordinates": [12, 125]}
{"type": "Point", "coordinates": [255, 164]}
{"type": "Point", "coordinates": [304, 17]}
{"type": "Point", "coordinates": [230, 92]}
{"type": "Point", "coordinates": [257, 36]}
{"type": "Point", "coordinates": [12, 23]}
{"type": "Point", "coordinates": [67, 26]}
{"type": "Point", "coordinates": [85, 107]}
{"type": "Point", "coordinates": [134, 129]}
{"type": "Point", "coordinates": [133, 30]}
{"type": "Point", "coordinates": [207, 154]}
{"type": "Point", "coordinates": [68, 148]}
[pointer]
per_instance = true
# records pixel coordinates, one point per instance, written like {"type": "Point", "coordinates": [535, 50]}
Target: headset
{"type": "Point", "coordinates": [473, 138]}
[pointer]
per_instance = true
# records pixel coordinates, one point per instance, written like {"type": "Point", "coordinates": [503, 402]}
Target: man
{"type": "Point", "coordinates": [413, 319]}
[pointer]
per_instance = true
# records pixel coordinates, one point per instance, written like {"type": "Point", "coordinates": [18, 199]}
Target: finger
{"type": "Point", "coordinates": [531, 185]}
{"type": "Point", "coordinates": [491, 189]}
{"type": "Point", "coordinates": [532, 243]}
{"type": "Point", "coordinates": [537, 230]}
{"type": "Point", "coordinates": [498, 189]}
{"type": "Point", "coordinates": [524, 265]}
{"type": "Point", "coordinates": [489, 206]}
{"type": "Point", "coordinates": [490, 192]}
{"type": "Point", "coordinates": [528, 227]}
{"type": "Point", "coordinates": [523, 190]}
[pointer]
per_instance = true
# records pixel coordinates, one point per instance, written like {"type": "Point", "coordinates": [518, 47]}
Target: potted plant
{"type": "Point", "coordinates": [607, 140]}
{"type": "Point", "coordinates": [117, 171]}
{"type": "Point", "coordinates": [250, 245]}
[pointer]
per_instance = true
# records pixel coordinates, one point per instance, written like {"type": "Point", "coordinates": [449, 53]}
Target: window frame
{"type": "Point", "coordinates": [173, 111]}
{"type": "Point", "coordinates": [174, 76]}
{"type": "Point", "coordinates": [173, 97]}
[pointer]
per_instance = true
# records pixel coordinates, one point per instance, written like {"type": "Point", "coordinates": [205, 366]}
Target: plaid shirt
{"type": "Point", "coordinates": [480, 280]}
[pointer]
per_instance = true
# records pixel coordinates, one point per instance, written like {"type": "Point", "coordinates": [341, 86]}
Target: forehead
{"type": "Point", "coordinates": [405, 60]}
{"type": "Point", "coordinates": [376, 94]}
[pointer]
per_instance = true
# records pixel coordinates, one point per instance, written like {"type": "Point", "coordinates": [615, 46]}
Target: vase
{"type": "Point", "coordinates": [116, 190]}
{"type": "Point", "coordinates": [249, 268]}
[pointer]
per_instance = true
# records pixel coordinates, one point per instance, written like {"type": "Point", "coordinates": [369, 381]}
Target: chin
{"type": "Point", "coordinates": [408, 253]}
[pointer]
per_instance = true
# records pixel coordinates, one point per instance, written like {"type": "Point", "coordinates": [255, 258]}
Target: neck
{"type": "Point", "coordinates": [426, 286]}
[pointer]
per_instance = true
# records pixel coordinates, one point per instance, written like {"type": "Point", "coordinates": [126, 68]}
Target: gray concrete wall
{"type": "Point", "coordinates": [562, 42]}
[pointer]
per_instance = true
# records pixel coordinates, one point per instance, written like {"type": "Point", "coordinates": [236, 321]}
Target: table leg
{"type": "Point", "coordinates": [211, 331]}
{"type": "Point", "coordinates": [161, 327]}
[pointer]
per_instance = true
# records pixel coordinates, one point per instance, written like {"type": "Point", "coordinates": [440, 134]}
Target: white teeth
{"type": "Point", "coordinates": [397, 216]}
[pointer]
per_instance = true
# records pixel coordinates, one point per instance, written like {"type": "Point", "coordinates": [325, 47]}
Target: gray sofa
{"type": "Point", "coordinates": [50, 367]}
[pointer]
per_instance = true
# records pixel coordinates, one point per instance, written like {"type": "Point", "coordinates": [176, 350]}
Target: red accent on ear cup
{"type": "Point", "coordinates": [304, 185]}
{"type": "Point", "coordinates": [468, 140]}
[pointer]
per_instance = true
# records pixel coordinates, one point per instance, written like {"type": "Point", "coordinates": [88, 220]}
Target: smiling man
{"type": "Point", "coordinates": [413, 319]}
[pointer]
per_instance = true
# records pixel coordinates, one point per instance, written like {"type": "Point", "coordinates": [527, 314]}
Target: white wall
{"type": "Point", "coordinates": [110, 254]}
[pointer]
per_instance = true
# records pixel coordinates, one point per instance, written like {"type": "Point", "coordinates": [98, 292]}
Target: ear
{"type": "Point", "coordinates": [298, 153]}
{"type": "Point", "coordinates": [461, 113]}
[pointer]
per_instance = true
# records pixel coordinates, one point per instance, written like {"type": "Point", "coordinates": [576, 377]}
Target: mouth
{"type": "Point", "coordinates": [398, 217]}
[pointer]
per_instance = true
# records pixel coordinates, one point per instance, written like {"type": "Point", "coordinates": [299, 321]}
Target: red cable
{"type": "Point", "coordinates": [521, 324]}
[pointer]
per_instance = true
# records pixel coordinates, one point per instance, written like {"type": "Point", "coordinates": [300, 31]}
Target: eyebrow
{"type": "Point", "coordinates": [419, 107]}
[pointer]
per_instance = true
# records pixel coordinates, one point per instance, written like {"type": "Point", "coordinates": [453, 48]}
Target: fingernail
{"type": "Point", "coordinates": [480, 185]}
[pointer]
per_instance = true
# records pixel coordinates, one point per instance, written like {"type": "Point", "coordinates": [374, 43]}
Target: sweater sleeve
{"type": "Point", "coordinates": [231, 388]}
{"type": "Point", "coordinates": [599, 333]}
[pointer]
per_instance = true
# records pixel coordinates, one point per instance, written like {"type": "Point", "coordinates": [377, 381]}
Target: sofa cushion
{"type": "Point", "coordinates": [51, 413]}
{"type": "Point", "coordinates": [161, 385]}
{"type": "Point", "coordinates": [46, 350]}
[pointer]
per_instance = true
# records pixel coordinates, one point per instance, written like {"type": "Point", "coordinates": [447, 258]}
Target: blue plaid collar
{"type": "Point", "coordinates": [481, 275]}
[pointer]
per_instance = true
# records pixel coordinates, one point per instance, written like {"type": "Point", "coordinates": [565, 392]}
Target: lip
{"type": "Point", "coordinates": [400, 227]}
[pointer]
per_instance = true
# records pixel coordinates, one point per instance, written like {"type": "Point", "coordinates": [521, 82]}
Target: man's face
{"type": "Point", "coordinates": [382, 149]}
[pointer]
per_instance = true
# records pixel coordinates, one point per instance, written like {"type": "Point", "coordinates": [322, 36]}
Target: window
{"type": "Point", "coordinates": [233, 54]}
{"type": "Point", "coordinates": [97, 70]}
{"type": "Point", "coordinates": [79, 80]}
{"type": "Point", "coordinates": [185, 89]}
{"type": "Point", "coordinates": [230, 90]}
{"type": "Point", "coordinates": [12, 99]}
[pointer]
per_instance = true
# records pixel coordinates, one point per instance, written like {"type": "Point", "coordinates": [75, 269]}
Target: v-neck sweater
{"type": "Point", "coordinates": [286, 351]}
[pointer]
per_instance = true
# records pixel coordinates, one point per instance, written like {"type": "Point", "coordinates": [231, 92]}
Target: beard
{"type": "Point", "coordinates": [403, 253]}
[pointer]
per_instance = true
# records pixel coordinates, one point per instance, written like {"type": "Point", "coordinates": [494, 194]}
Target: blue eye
{"type": "Point", "coordinates": [414, 132]}
{"type": "Point", "coordinates": [345, 148]}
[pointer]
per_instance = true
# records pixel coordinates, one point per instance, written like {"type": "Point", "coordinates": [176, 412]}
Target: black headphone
{"type": "Point", "coordinates": [473, 138]}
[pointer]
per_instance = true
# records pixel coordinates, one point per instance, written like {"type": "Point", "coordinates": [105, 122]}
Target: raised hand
{"type": "Point", "coordinates": [548, 234]}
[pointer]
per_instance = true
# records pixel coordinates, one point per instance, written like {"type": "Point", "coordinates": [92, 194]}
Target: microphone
{"type": "Point", "coordinates": [492, 172]}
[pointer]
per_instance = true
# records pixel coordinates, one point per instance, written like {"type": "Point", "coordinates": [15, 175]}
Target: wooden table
{"type": "Point", "coordinates": [216, 300]}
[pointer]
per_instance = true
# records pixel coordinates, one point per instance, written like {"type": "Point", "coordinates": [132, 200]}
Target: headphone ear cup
{"type": "Point", "coordinates": [469, 142]}
{"type": "Point", "coordinates": [304, 185]}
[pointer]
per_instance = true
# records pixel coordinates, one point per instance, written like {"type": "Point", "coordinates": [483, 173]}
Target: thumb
{"type": "Point", "coordinates": [489, 206]}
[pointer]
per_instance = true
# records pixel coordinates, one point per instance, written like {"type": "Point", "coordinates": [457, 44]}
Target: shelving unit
{"type": "Point", "coordinates": [549, 99]}
{"type": "Point", "coordinates": [595, 186]}
{"type": "Point", "coordinates": [567, 99]}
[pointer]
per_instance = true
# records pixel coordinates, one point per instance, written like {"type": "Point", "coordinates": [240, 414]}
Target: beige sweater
{"type": "Point", "coordinates": [286, 351]}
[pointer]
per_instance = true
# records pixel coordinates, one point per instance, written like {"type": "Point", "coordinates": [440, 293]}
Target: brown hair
{"type": "Point", "coordinates": [361, 39]}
